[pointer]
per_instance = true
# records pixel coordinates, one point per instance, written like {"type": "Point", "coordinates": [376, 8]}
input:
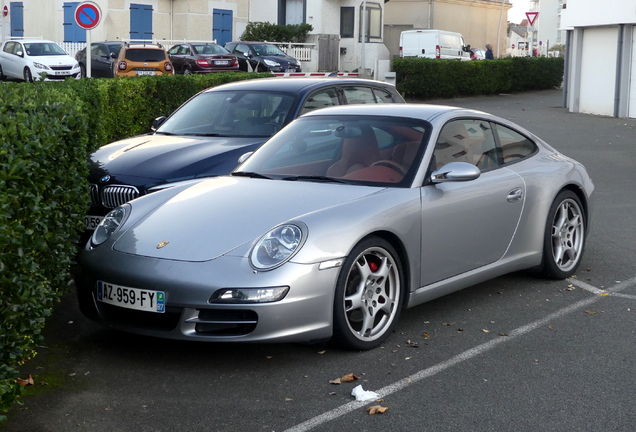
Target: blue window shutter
{"type": "Point", "coordinates": [72, 31]}
{"type": "Point", "coordinates": [222, 26]}
{"type": "Point", "coordinates": [140, 21]}
{"type": "Point", "coordinates": [17, 18]}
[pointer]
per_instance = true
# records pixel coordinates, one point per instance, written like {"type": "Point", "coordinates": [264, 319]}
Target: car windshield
{"type": "Point", "coordinates": [209, 49]}
{"type": "Point", "coordinates": [267, 49]}
{"type": "Point", "coordinates": [43, 49]}
{"type": "Point", "coordinates": [145, 55]}
{"type": "Point", "coordinates": [231, 114]}
{"type": "Point", "coordinates": [113, 48]}
{"type": "Point", "coordinates": [348, 149]}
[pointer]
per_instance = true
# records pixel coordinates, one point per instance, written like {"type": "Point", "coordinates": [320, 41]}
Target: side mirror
{"type": "Point", "coordinates": [455, 172]}
{"type": "Point", "coordinates": [467, 48]}
{"type": "Point", "coordinates": [244, 157]}
{"type": "Point", "coordinates": [113, 55]}
{"type": "Point", "coordinates": [20, 54]}
{"type": "Point", "coordinates": [157, 122]}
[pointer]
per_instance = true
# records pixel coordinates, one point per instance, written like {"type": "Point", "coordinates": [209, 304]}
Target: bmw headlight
{"type": "Point", "coordinates": [277, 246]}
{"type": "Point", "coordinates": [110, 224]}
{"type": "Point", "coordinates": [271, 63]}
{"type": "Point", "coordinates": [40, 66]}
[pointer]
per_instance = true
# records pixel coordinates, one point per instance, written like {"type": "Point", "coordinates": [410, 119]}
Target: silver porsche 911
{"type": "Point", "coordinates": [337, 223]}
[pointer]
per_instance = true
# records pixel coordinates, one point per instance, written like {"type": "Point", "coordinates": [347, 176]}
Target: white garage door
{"type": "Point", "coordinates": [598, 70]}
{"type": "Point", "coordinates": [632, 81]}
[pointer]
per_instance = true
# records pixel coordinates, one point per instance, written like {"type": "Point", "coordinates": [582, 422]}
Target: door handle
{"type": "Point", "coordinates": [515, 195]}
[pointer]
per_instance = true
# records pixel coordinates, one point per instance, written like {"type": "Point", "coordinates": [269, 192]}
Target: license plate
{"type": "Point", "coordinates": [91, 222]}
{"type": "Point", "coordinates": [221, 62]}
{"type": "Point", "coordinates": [61, 73]}
{"type": "Point", "coordinates": [131, 298]}
{"type": "Point", "coordinates": [290, 70]}
{"type": "Point", "coordinates": [145, 72]}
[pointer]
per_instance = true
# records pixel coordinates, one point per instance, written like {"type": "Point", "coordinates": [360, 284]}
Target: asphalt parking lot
{"type": "Point", "coordinates": [512, 354]}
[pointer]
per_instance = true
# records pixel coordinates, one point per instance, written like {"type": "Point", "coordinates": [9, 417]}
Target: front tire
{"type": "Point", "coordinates": [2, 76]}
{"type": "Point", "coordinates": [187, 70]}
{"type": "Point", "coordinates": [82, 70]}
{"type": "Point", "coordinates": [28, 77]}
{"type": "Point", "coordinates": [369, 295]}
{"type": "Point", "coordinates": [564, 237]}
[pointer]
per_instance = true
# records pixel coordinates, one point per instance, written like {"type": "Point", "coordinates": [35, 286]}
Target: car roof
{"type": "Point", "coordinates": [426, 112]}
{"type": "Point", "coordinates": [295, 85]}
{"type": "Point", "coordinates": [251, 42]}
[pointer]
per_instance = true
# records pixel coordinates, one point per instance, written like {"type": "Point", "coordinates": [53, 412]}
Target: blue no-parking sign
{"type": "Point", "coordinates": [88, 15]}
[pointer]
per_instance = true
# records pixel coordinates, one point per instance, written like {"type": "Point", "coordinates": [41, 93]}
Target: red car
{"type": "Point", "coordinates": [189, 58]}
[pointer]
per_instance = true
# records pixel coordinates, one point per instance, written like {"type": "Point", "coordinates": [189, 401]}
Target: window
{"type": "Point", "coordinates": [514, 146]}
{"type": "Point", "coordinates": [359, 95]}
{"type": "Point", "coordinates": [373, 22]}
{"type": "Point", "coordinates": [321, 99]}
{"type": "Point", "coordinates": [347, 21]}
{"type": "Point", "coordinates": [470, 141]}
{"type": "Point", "coordinates": [382, 96]}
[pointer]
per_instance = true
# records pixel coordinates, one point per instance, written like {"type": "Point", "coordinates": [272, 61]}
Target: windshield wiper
{"type": "Point", "coordinates": [250, 175]}
{"type": "Point", "coordinates": [202, 134]}
{"type": "Point", "coordinates": [164, 133]}
{"type": "Point", "coordinates": [314, 178]}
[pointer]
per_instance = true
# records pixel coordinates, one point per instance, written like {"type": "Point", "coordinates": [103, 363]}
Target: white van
{"type": "Point", "coordinates": [435, 44]}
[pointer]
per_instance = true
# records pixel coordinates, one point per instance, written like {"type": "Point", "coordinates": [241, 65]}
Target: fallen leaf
{"type": "Point", "coordinates": [485, 331]}
{"type": "Point", "coordinates": [377, 409]}
{"type": "Point", "coordinates": [412, 344]}
{"type": "Point", "coordinates": [333, 393]}
{"type": "Point", "coordinates": [590, 312]}
{"type": "Point", "coordinates": [72, 374]}
{"type": "Point", "coordinates": [288, 400]}
{"type": "Point", "coordinates": [426, 335]}
{"type": "Point", "coordinates": [349, 377]}
{"type": "Point", "coordinates": [26, 382]}
{"type": "Point", "coordinates": [460, 329]}
{"type": "Point", "coordinates": [335, 381]}
{"type": "Point", "coordinates": [504, 334]}
{"type": "Point", "coordinates": [268, 357]}
{"type": "Point", "coordinates": [550, 327]}
{"type": "Point", "coordinates": [448, 323]}
{"type": "Point", "coordinates": [408, 358]}
{"type": "Point", "coordinates": [604, 294]}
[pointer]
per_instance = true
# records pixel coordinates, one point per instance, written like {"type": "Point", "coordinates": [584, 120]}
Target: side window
{"type": "Point", "coordinates": [322, 99]}
{"type": "Point", "coordinates": [514, 146]}
{"type": "Point", "coordinates": [242, 49]}
{"type": "Point", "coordinates": [359, 95]}
{"type": "Point", "coordinates": [467, 140]}
{"type": "Point", "coordinates": [382, 96]}
{"type": "Point", "coordinates": [9, 47]}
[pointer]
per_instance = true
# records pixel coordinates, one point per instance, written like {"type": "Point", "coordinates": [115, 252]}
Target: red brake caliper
{"type": "Point", "coordinates": [373, 266]}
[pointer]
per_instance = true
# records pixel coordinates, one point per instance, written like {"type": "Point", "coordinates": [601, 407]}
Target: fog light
{"type": "Point", "coordinates": [249, 295]}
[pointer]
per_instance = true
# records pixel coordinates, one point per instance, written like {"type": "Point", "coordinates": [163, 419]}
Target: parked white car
{"type": "Point", "coordinates": [434, 44]}
{"type": "Point", "coordinates": [30, 60]}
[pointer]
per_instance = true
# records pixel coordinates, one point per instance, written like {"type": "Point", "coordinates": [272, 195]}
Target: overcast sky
{"type": "Point", "coordinates": [518, 11]}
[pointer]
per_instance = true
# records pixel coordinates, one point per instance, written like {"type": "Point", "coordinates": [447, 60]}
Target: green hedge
{"type": "Point", "coordinates": [420, 78]}
{"type": "Point", "coordinates": [47, 131]}
{"type": "Point", "coordinates": [43, 168]}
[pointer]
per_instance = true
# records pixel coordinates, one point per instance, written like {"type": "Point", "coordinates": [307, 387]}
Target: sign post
{"type": "Point", "coordinates": [87, 16]}
{"type": "Point", "coordinates": [532, 17]}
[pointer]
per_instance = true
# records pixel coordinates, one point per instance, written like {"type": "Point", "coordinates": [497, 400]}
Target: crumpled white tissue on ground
{"type": "Point", "coordinates": [363, 395]}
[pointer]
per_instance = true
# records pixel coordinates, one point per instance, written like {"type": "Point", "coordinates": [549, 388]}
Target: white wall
{"type": "Point", "coordinates": [598, 70]}
{"type": "Point", "coordinates": [584, 13]}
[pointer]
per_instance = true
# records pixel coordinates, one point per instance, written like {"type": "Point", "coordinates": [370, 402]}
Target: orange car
{"type": "Point", "coordinates": [137, 59]}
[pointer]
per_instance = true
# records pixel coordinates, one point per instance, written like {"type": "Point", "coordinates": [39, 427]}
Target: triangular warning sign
{"type": "Point", "coordinates": [532, 17]}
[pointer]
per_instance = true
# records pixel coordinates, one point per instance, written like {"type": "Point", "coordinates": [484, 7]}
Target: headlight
{"type": "Point", "coordinates": [40, 66]}
{"type": "Point", "coordinates": [277, 246]}
{"type": "Point", "coordinates": [109, 225]}
{"type": "Point", "coordinates": [270, 62]}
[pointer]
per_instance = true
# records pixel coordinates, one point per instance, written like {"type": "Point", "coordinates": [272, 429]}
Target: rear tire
{"type": "Point", "coordinates": [187, 70]}
{"type": "Point", "coordinates": [564, 237]}
{"type": "Point", "coordinates": [2, 76]}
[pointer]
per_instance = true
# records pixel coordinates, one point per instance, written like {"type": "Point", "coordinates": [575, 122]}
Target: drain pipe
{"type": "Point", "coordinates": [566, 68]}
{"type": "Point", "coordinates": [619, 65]}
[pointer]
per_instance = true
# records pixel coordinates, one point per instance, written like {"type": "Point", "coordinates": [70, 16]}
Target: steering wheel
{"type": "Point", "coordinates": [391, 164]}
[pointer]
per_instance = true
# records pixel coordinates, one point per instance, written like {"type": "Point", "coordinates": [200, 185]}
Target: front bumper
{"type": "Point", "coordinates": [304, 315]}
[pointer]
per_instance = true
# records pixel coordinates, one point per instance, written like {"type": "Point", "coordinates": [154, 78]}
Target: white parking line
{"type": "Point", "coordinates": [466, 355]}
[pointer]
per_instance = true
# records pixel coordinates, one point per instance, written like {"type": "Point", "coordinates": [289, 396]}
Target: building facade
{"type": "Point", "coordinates": [479, 21]}
{"type": "Point", "coordinates": [600, 73]}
